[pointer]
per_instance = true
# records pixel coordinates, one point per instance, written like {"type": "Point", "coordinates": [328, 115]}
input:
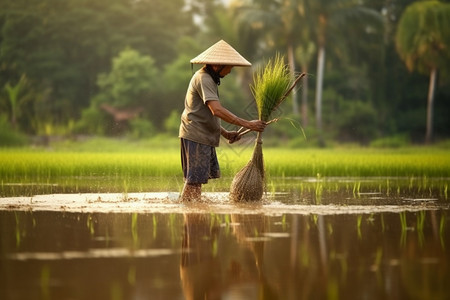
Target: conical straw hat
{"type": "Point", "coordinates": [221, 53]}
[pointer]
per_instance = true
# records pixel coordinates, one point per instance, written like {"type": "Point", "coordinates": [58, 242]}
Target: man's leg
{"type": "Point", "coordinates": [191, 192]}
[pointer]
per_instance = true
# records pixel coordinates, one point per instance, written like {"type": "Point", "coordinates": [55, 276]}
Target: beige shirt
{"type": "Point", "coordinates": [197, 122]}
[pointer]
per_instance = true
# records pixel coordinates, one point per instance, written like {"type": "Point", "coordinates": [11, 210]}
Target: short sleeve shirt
{"type": "Point", "coordinates": [198, 124]}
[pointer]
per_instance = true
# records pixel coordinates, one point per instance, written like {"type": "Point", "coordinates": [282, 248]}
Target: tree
{"type": "Point", "coordinates": [333, 19]}
{"type": "Point", "coordinates": [277, 23]}
{"type": "Point", "coordinates": [423, 43]}
{"type": "Point", "coordinates": [304, 54]}
{"type": "Point", "coordinates": [13, 96]}
{"type": "Point", "coordinates": [126, 92]}
{"type": "Point", "coordinates": [63, 45]}
{"type": "Point", "coordinates": [292, 25]}
{"type": "Point", "coordinates": [131, 80]}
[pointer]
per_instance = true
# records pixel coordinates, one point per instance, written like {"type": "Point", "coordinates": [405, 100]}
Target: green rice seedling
{"type": "Point", "coordinates": [125, 191]}
{"type": "Point", "coordinates": [269, 86]}
{"type": "Point", "coordinates": [411, 182]}
{"type": "Point", "coordinates": [318, 190]}
{"type": "Point", "coordinates": [272, 189]}
{"type": "Point", "coordinates": [357, 189]}
{"type": "Point", "coordinates": [302, 188]}
{"type": "Point", "coordinates": [387, 187]}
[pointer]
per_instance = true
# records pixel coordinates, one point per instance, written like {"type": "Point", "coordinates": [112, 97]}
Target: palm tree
{"type": "Point", "coordinates": [276, 23]}
{"type": "Point", "coordinates": [331, 20]}
{"type": "Point", "coordinates": [304, 55]}
{"type": "Point", "coordinates": [293, 23]}
{"type": "Point", "coordinates": [423, 43]}
{"type": "Point", "coordinates": [304, 52]}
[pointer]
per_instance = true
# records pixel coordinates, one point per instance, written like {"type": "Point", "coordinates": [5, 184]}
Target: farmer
{"type": "Point", "coordinates": [200, 128]}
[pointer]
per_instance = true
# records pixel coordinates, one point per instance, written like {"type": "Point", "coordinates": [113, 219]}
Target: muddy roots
{"type": "Point", "coordinates": [248, 184]}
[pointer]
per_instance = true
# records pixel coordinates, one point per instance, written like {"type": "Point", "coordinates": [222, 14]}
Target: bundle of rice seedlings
{"type": "Point", "coordinates": [271, 85]}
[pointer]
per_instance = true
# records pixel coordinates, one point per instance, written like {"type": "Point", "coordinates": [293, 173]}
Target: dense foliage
{"type": "Point", "coordinates": [121, 67]}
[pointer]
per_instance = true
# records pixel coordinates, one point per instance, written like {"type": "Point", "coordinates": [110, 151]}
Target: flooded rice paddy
{"type": "Point", "coordinates": [310, 238]}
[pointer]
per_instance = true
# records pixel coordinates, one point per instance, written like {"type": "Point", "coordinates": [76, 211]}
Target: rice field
{"type": "Point", "coordinates": [412, 162]}
{"type": "Point", "coordinates": [30, 165]}
{"type": "Point", "coordinates": [37, 171]}
{"type": "Point", "coordinates": [389, 203]}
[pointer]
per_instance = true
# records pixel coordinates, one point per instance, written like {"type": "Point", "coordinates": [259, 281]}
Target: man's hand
{"type": "Point", "coordinates": [256, 125]}
{"type": "Point", "coordinates": [233, 136]}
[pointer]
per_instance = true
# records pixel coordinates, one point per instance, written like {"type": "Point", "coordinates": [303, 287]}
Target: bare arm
{"type": "Point", "coordinates": [221, 112]}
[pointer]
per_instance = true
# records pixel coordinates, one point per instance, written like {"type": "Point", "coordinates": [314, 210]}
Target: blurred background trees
{"type": "Point", "coordinates": [121, 67]}
{"type": "Point", "coordinates": [423, 43]}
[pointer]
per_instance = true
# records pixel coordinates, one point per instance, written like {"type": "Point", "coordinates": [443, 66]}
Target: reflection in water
{"type": "Point", "coordinates": [200, 268]}
{"type": "Point", "coordinates": [207, 273]}
{"type": "Point", "coordinates": [251, 234]}
{"type": "Point", "coordinates": [50, 255]}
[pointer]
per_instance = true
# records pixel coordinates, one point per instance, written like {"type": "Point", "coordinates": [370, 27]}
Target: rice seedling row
{"type": "Point", "coordinates": [42, 165]}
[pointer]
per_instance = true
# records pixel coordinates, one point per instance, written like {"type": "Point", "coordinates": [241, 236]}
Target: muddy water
{"type": "Point", "coordinates": [310, 238]}
{"type": "Point", "coordinates": [220, 255]}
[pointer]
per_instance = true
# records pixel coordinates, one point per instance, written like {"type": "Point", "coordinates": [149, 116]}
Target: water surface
{"type": "Point", "coordinates": [61, 255]}
{"type": "Point", "coordinates": [308, 239]}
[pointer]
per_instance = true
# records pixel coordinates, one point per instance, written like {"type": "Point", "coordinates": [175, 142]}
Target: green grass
{"type": "Point", "coordinates": [42, 164]}
{"type": "Point", "coordinates": [104, 165]}
{"type": "Point", "coordinates": [410, 162]}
